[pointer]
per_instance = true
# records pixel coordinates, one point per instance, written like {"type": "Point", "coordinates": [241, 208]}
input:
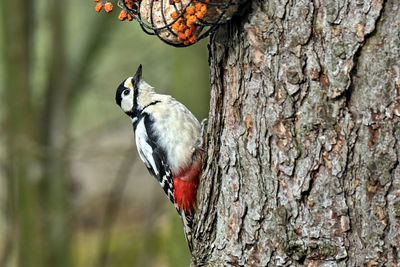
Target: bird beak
{"type": "Point", "coordinates": [138, 75]}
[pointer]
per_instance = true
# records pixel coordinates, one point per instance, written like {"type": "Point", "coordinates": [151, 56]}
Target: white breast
{"type": "Point", "coordinates": [177, 130]}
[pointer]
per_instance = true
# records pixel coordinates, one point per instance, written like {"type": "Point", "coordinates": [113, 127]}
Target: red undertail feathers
{"type": "Point", "coordinates": [185, 187]}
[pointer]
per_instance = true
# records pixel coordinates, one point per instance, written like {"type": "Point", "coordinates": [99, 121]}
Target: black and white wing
{"type": "Point", "coordinates": [153, 157]}
{"type": "Point", "coordinates": [155, 160]}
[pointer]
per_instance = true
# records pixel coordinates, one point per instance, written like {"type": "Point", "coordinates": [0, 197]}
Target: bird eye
{"type": "Point", "coordinates": [126, 92]}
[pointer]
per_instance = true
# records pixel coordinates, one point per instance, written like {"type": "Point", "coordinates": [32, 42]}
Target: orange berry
{"type": "Point", "coordinates": [177, 1]}
{"type": "Point", "coordinates": [188, 33]}
{"type": "Point", "coordinates": [182, 28]}
{"type": "Point", "coordinates": [186, 42]}
{"type": "Point", "coordinates": [108, 7]}
{"type": "Point", "coordinates": [204, 9]}
{"type": "Point", "coordinates": [98, 7]}
{"type": "Point", "coordinates": [199, 15]}
{"type": "Point", "coordinates": [198, 6]}
{"type": "Point", "coordinates": [181, 36]}
{"type": "Point", "coordinates": [190, 10]}
{"type": "Point", "coordinates": [192, 39]}
{"type": "Point", "coordinates": [130, 18]}
{"type": "Point", "coordinates": [191, 20]}
{"type": "Point", "coordinates": [122, 15]}
{"type": "Point", "coordinates": [129, 3]}
{"type": "Point", "coordinates": [175, 26]}
{"type": "Point", "coordinates": [193, 28]}
{"type": "Point", "coordinates": [174, 15]}
{"type": "Point", "coordinates": [96, 0]}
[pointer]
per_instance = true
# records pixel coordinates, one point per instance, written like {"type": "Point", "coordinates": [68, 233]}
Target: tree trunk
{"type": "Point", "coordinates": [301, 166]}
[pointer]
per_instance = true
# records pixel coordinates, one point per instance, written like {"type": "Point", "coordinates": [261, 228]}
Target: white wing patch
{"type": "Point", "coordinates": [163, 180]}
{"type": "Point", "coordinates": [144, 149]}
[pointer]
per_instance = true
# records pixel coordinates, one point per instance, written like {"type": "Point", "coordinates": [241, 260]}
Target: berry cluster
{"type": "Point", "coordinates": [108, 7]}
{"type": "Point", "coordinates": [184, 26]}
{"type": "Point", "coordinates": [123, 15]}
{"type": "Point", "coordinates": [133, 6]}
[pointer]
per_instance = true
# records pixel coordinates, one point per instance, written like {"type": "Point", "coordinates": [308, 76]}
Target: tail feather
{"type": "Point", "coordinates": [187, 220]}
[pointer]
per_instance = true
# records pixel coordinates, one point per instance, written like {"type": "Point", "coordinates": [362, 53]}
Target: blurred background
{"type": "Point", "coordinates": [72, 189]}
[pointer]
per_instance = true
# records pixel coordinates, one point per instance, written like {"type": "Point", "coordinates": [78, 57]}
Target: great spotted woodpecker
{"type": "Point", "coordinates": [167, 138]}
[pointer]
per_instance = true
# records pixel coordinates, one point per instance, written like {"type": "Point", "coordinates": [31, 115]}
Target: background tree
{"type": "Point", "coordinates": [64, 142]}
{"type": "Point", "coordinates": [302, 162]}
{"type": "Point", "coordinates": [38, 132]}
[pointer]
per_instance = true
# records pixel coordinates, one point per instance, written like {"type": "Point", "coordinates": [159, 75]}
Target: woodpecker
{"type": "Point", "coordinates": [168, 139]}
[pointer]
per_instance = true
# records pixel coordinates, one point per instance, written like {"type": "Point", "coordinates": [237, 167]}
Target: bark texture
{"type": "Point", "coordinates": [302, 161]}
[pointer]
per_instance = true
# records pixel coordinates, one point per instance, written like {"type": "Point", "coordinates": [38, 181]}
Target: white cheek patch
{"type": "Point", "coordinates": [127, 102]}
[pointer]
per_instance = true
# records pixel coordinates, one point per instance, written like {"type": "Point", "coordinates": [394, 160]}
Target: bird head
{"type": "Point", "coordinates": [127, 92]}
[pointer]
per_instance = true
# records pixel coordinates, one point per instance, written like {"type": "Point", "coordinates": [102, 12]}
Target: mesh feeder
{"type": "Point", "coordinates": [180, 23]}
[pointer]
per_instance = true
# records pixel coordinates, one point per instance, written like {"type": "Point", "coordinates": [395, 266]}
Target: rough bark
{"type": "Point", "coordinates": [302, 162]}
